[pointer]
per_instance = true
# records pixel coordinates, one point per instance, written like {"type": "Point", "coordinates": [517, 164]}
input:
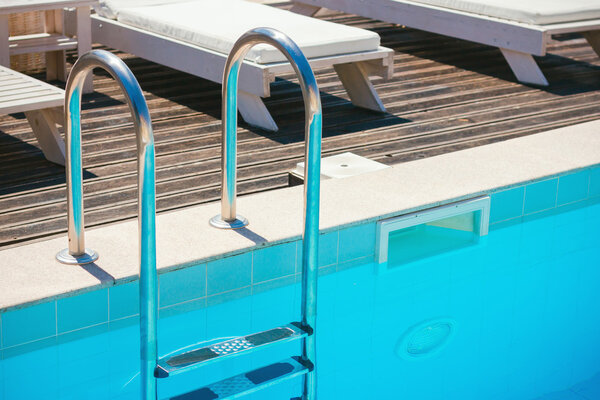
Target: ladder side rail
{"type": "Point", "coordinates": [76, 253]}
{"type": "Point", "coordinates": [312, 171]}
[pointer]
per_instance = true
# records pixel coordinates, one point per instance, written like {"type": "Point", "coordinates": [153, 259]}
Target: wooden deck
{"type": "Point", "coordinates": [446, 95]}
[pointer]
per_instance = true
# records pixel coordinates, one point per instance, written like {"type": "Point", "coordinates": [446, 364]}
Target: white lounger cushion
{"type": "Point", "coordinates": [537, 12]}
{"type": "Point", "coordinates": [110, 8]}
{"type": "Point", "coordinates": [217, 24]}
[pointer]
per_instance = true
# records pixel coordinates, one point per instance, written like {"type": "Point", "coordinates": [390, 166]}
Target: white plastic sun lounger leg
{"type": "Point", "coordinates": [4, 49]}
{"type": "Point", "coordinates": [254, 111]}
{"type": "Point", "coordinates": [593, 38]}
{"type": "Point", "coordinates": [44, 127]}
{"type": "Point", "coordinates": [524, 67]}
{"type": "Point", "coordinates": [84, 41]}
{"type": "Point", "coordinates": [55, 60]}
{"type": "Point", "coordinates": [55, 66]}
{"type": "Point", "coordinates": [304, 9]}
{"type": "Point", "coordinates": [356, 81]}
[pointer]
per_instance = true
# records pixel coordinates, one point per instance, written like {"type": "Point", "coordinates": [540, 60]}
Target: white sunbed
{"type": "Point", "coordinates": [520, 28]}
{"type": "Point", "coordinates": [196, 36]}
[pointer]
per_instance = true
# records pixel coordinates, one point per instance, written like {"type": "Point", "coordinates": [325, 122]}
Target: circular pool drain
{"type": "Point", "coordinates": [426, 339]}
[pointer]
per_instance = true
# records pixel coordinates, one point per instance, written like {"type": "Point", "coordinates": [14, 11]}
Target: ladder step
{"type": "Point", "coordinates": [178, 363]}
{"type": "Point", "coordinates": [249, 382]}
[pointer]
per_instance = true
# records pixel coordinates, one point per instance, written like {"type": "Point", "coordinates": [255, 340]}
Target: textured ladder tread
{"type": "Point", "coordinates": [248, 382]}
{"type": "Point", "coordinates": [194, 358]}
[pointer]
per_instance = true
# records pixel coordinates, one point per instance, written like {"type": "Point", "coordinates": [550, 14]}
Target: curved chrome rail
{"type": "Point", "coordinates": [77, 253]}
{"type": "Point", "coordinates": [312, 169]}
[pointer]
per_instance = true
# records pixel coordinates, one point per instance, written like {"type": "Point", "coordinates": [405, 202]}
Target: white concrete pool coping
{"type": "Point", "coordinates": [29, 273]}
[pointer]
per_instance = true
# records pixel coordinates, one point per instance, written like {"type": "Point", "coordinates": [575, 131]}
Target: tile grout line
{"type": "Point", "coordinates": [523, 201]}
{"type": "Point", "coordinates": [589, 185]}
{"type": "Point", "coordinates": [108, 304]}
{"type": "Point", "coordinates": [557, 188]}
{"type": "Point", "coordinates": [55, 318]}
{"type": "Point", "coordinates": [81, 329]}
{"type": "Point", "coordinates": [30, 342]}
{"type": "Point", "coordinates": [337, 248]}
{"type": "Point", "coordinates": [177, 304]}
{"type": "Point", "coordinates": [337, 251]}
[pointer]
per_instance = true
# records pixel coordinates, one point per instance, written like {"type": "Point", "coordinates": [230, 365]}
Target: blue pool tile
{"type": "Point", "coordinates": [540, 196]}
{"type": "Point", "coordinates": [228, 296]}
{"type": "Point", "coordinates": [182, 308]}
{"type": "Point", "coordinates": [124, 322]}
{"type": "Point", "coordinates": [273, 262]}
{"type": "Point", "coordinates": [124, 300]}
{"type": "Point", "coordinates": [595, 182]}
{"type": "Point", "coordinates": [1, 377]}
{"type": "Point", "coordinates": [229, 273]}
{"type": "Point", "coordinates": [507, 204]}
{"type": "Point", "coordinates": [74, 339]}
{"type": "Point", "coordinates": [32, 374]}
{"type": "Point", "coordinates": [273, 284]}
{"type": "Point", "coordinates": [82, 311]}
{"type": "Point", "coordinates": [573, 187]}
{"type": "Point", "coordinates": [357, 241]}
{"type": "Point", "coordinates": [328, 250]}
{"type": "Point", "coordinates": [350, 264]}
{"type": "Point", "coordinates": [182, 285]}
{"type": "Point", "coordinates": [29, 347]}
{"type": "Point", "coordinates": [28, 324]}
{"type": "Point", "coordinates": [229, 318]}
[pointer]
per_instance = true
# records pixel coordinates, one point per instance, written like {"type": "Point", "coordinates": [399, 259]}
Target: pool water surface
{"type": "Point", "coordinates": [514, 316]}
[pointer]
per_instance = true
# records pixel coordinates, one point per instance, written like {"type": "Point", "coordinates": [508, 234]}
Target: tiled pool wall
{"type": "Point", "coordinates": [262, 269]}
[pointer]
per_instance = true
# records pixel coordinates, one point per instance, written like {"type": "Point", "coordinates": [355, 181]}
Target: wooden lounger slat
{"type": "Point", "coordinates": [22, 93]}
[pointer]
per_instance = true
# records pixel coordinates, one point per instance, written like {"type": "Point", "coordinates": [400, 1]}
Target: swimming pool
{"type": "Point", "coordinates": [515, 315]}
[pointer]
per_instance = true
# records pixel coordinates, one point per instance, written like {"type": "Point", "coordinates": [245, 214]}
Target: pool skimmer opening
{"type": "Point", "coordinates": [426, 339]}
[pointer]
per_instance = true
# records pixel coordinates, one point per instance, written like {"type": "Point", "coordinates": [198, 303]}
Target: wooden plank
{"type": "Point", "coordinates": [502, 112]}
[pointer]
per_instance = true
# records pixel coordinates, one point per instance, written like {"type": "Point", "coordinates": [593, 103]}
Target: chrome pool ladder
{"type": "Point", "coordinates": [152, 368]}
{"type": "Point", "coordinates": [304, 330]}
{"type": "Point", "coordinates": [77, 253]}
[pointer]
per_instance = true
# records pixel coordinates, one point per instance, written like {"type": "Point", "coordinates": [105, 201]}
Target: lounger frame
{"type": "Point", "coordinates": [517, 41]}
{"type": "Point", "coordinates": [353, 69]}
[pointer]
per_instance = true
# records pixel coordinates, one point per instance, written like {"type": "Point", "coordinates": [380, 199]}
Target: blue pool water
{"type": "Point", "coordinates": [515, 316]}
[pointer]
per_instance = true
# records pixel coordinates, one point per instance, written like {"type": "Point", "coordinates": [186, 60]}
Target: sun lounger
{"type": "Point", "coordinates": [519, 28]}
{"type": "Point", "coordinates": [196, 36]}
{"type": "Point", "coordinates": [42, 104]}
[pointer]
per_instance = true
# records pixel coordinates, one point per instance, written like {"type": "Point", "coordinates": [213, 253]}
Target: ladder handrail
{"type": "Point", "coordinates": [77, 253]}
{"type": "Point", "coordinates": [312, 166]}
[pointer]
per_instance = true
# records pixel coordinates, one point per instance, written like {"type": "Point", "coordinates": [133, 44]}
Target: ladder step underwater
{"type": "Point", "coordinates": [188, 360]}
{"type": "Point", "coordinates": [304, 366]}
{"type": "Point", "coordinates": [249, 382]}
{"type": "Point", "coordinates": [151, 367]}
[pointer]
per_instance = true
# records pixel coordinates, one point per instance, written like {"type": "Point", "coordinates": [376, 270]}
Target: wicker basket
{"type": "Point", "coordinates": [23, 24]}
